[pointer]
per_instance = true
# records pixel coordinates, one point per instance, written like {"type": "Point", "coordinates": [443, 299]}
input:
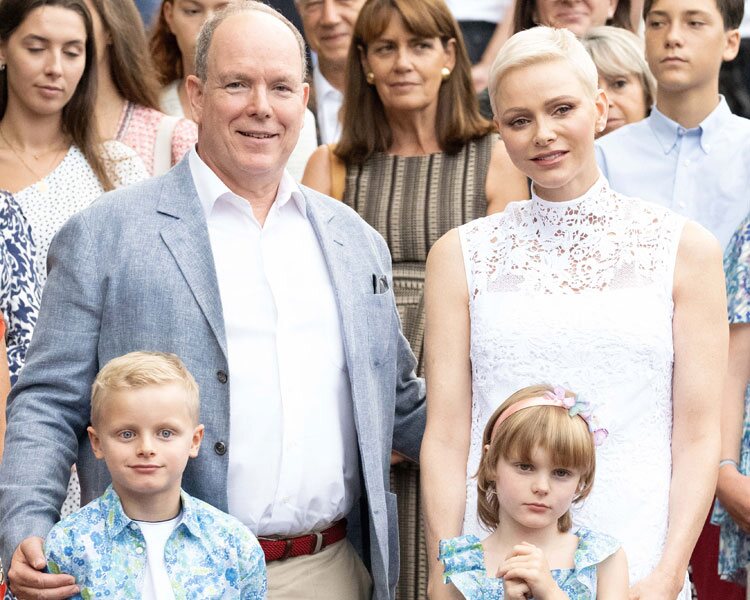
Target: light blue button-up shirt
{"type": "Point", "coordinates": [210, 555]}
{"type": "Point", "coordinates": [701, 173]}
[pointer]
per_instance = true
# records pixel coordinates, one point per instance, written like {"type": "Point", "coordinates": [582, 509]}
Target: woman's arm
{"type": "Point", "coordinates": [612, 577]}
{"type": "Point", "coordinates": [700, 334]}
{"type": "Point", "coordinates": [445, 445]}
{"type": "Point", "coordinates": [733, 488]}
{"type": "Point", "coordinates": [318, 171]}
{"type": "Point", "coordinates": [4, 387]}
{"type": "Point", "coordinates": [480, 72]}
{"type": "Point", "coordinates": [504, 183]}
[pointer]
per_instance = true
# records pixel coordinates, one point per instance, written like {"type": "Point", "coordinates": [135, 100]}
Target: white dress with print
{"type": "Point", "coordinates": [579, 293]}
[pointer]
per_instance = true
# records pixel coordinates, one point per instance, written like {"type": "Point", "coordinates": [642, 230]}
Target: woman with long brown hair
{"type": "Point", "coordinates": [127, 100]}
{"type": "Point", "coordinates": [50, 156]}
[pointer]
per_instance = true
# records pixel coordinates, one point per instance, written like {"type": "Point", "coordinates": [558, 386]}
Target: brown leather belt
{"type": "Point", "coordinates": [311, 543]}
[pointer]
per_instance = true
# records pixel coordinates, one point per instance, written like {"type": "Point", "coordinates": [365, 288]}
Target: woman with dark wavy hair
{"type": "Point", "coordinates": [50, 156]}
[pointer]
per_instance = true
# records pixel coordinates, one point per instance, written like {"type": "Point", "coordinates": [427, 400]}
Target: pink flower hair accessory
{"type": "Point", "coordinates": [575, 405]}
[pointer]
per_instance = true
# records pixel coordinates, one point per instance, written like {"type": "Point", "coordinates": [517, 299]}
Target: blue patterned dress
{"type": "Point", "coordinates": [734, 544]}
{"type": "Point", "coordinates": [463, 559]}
{"type": "Point", "coordinates": [19, 283]}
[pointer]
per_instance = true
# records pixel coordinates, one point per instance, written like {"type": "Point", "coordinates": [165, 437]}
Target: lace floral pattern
{"type": "Point", "coordinates": [579, 293]}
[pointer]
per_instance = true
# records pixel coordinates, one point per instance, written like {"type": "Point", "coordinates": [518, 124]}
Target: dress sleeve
{"type": "Point", "coordinates": [593, 548]}
{"type": "Point", "coordinates": [737, 273]}
{"type": "Point", "coordinates": [460, 555]}
{"type": "Point", "coordinates": [184, 136]}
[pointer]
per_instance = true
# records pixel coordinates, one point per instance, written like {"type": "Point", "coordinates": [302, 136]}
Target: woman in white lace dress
{"type": "Point", "coordinates": [615, 297]}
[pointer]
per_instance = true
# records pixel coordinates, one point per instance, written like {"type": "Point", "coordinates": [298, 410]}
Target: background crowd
{"type": "Point", "coordinates": [415, 159]}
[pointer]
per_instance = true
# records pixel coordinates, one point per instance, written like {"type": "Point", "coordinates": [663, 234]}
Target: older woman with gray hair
{"type": "Point", "coordinates": [623, 74]}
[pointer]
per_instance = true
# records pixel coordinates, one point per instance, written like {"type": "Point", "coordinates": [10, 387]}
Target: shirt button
{"type": "Point", "coordinates": [133, 526]}
{"type": "Point", "coordinates": [222, 376]}
{"type": "Point", "coordinates": [220, 448]}
{"type": "Point", "coordinates": [139, 550]}
{"type": "Point", "coordinates": [687, 162]}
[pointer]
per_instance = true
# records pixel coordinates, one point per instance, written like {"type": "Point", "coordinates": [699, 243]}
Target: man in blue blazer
{"type": "Point", "coordinates": [276, 298]}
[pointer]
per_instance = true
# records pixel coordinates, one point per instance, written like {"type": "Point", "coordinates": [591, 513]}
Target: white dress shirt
{"type": "Point", "coordinates": [701, 173]}
{"type": "Point", "coordinates": [293, 457]}
{"type": "Point", "coordinates": [328, 101]}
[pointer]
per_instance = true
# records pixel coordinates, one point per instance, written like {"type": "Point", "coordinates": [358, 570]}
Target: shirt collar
{"type": "Point", "coordinates": [668, 131]}
{"type": "Point", "coordinates": [323, 87]}
{"type": "Point", "coordinates": [210, 187]}
{"type": "Point", "coordinates": [117, 521]}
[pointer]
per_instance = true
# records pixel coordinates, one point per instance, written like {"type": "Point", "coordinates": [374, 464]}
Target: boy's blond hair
{"type": "Point", "coordinates": [550, 428]}
{"type": "Point", "coordinates": [140, 369]}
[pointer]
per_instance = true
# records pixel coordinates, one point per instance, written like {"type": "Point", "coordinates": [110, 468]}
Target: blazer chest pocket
{"type": "Point", "coordinates": [380, 332]}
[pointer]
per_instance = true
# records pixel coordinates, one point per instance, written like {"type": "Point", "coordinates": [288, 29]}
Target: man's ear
{"type": "Point", "coordinates": [96, 443]}
{"type": "Point", "coordinates": [195, 90]}
{"type": "Point", "coordinates": [732, 46]}
{"type": "Point", "coordinates": [195, 444]}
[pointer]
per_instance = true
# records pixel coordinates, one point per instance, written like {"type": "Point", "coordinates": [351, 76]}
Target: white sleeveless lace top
{"type": "Point", "coordinates": [579, 293]}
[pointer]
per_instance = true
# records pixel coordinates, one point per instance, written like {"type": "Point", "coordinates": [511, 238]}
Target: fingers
{"type": "Point", "coordinates": [28, 582]}
{"type": "Point", "coordinates": [60, 593]}
{"type": "Point", "coordinates": [522, 549]}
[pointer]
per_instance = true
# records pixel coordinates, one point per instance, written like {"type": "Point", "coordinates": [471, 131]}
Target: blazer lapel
{"type": "Point", "coordinates": [186, 236]}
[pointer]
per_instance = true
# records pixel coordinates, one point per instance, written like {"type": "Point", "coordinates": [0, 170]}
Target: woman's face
{"type": "Point", "coordinates": [627, 100]}
{"type": "Point", "coordinates": [185, 18]}
{"type": "Point", "coordinates": [407, 67]}
{"type": "Point", "coordinates": [547, 119]}
{"type": "Point", "coordinates": [576, 15]}
{"type": "Point", "coordinates": [45, 58]}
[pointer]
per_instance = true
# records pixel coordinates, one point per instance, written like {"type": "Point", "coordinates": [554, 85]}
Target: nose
{"type": "Point", "coordinates": [330, 15]}
{"type": "Point", "coordinates": [145, 446]}
{"type": "Point", "coordinates": [258, 105]}
{"type": "Point", "coordinates": [53, 64]}
{"type": "Point", "coordinates": [540, 485]}
{"type": "Point", "coordinates": [674, 35]}
{"type": "Point", "coordinates": [544, 133]}
{"type": "Point", "coordinates": [403, 59]}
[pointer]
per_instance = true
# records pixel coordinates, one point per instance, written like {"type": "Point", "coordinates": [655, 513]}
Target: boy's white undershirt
{"type": "Point", "coordinates": [156, 584]}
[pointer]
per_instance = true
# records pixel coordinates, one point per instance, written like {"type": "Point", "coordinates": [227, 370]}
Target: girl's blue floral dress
{"type": "Point", "coordinates": [734, 544]}
{"type": "Point", "coordinates": [463, 559]}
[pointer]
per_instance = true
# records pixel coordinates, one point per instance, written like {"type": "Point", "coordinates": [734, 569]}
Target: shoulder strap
{"type": "Point", "coordinates": [338, 174]}
{"type": "Point", "coordinates": [163, 145]}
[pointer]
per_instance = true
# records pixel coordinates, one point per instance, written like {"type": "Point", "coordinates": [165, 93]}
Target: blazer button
{"type": "Point", "coordinates": [220, 448]}
{"type": "Point", "coordinates": [222, 376]}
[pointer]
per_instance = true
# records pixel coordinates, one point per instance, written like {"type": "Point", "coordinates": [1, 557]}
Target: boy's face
{"type": "Point", "coordinates": [146, 436]}
{"type": "Point", "coordinates": [686, 43]}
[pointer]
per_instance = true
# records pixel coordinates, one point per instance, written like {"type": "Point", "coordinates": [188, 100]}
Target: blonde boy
{"type": "Point", "coordinates": [145, 537]}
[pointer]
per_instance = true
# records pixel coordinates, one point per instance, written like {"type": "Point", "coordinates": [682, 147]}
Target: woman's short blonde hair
{"type": "Point", "coordinates": [549, 428]}
{"type": "Point", "coordinates": [140, 369]}
{"type": "Point", "coordinates": [617, 52]}
{"type": "Point", "coordinates": [542, 44]}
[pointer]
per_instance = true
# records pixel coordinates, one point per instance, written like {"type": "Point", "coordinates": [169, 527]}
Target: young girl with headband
{"type": "Point", "coordinates": [538, 459]}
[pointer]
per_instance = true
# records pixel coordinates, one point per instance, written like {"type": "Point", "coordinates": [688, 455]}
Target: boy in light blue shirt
{"type": "Point", "coordinates": [691, 154]}
{"type": "Point", "coordinates": [145, 537]}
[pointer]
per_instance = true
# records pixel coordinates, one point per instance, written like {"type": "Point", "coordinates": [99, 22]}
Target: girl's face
{"type": "Point", "coordinates": [185, 18]}
{"type": "Point", "coordinates": [534, 493]}
{"type": "Point", "coordinates": [576, 15]}
{"type": "Point", "coordinates": [627, 100]}
{"type": "Point", "coordinates": [547, 119]}
{"type": "Point", "coordinates": [45, 58]}
{"type": "Point", "coordinates": [407, 67]}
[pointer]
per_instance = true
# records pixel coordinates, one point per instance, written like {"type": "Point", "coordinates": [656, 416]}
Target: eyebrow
{"type": "Point", "coordinates": [547, 103]}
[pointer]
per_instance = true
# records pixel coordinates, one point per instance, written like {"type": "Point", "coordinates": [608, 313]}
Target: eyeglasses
{"type": "Point", "coordinates": [311, 7]}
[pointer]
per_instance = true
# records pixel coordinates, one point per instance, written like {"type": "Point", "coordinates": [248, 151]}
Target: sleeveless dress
{"type": "Point", "coordinates": [412, 201]}
{"type": "Point", "coordinates": [463, 560]}
{"type": "Point", "coordinates": [579, 293]}
{"type": "Point", "coordinates": [734, 544]}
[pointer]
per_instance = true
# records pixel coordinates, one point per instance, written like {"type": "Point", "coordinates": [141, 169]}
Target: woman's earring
{"type": "Point", "coordinates": [2, 66]}
{"type": "Point", "coordinates": [445, 73]}
{"type": "Point", "coordinates": [370, 77]}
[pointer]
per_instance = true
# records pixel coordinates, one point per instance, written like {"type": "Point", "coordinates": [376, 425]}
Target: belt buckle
{"type": "Point", "coordinates": [318, 542]}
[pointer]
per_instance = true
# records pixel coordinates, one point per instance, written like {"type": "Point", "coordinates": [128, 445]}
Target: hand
{"type": "Point", "coordinates": [527, 562]}
{"type": "Point", "coordinates": [26, 581]}
{"type": "Point", "coordinates": [480, 76]}
{"type": "Point", "coordinates": [733, 491]}
{"type": "Point", "coordinates": [516, 589]}
{"type": "Point", "coordinates": [396, 458]}
{"type": "Point", "coordinates": [656, 586]}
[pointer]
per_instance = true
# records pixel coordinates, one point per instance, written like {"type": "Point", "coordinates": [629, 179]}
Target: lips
{"type": "Point", "coordinates": [258, 135]}
{"type": "Point", "coordinates": [537, 507]}
{"type": "Point", "coordinates": [673, 59]}
{"type": "Point", "coordinates": [549, 158]}
{"type": "Point", "coordinates": [145, 468]}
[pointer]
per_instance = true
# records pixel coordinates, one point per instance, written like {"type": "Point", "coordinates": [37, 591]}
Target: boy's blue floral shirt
{"type": "Point", "coordinates": [209, 554]}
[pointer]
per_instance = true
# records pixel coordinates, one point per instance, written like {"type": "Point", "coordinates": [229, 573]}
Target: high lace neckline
{"type": "Point", "coordinates": [587, 208]}
{"type": "Point", "coordinates": [600, 186]}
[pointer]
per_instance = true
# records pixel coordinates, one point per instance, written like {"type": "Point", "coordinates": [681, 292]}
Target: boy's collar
{"type": "Point", "coordinates": [667, 131]}
{"type": "Point", "coordinates": [117, 520]}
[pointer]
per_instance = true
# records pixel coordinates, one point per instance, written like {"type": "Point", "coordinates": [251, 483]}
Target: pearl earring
{"type": "Point", "coordinates": [445, 72]}
{"type": "Point", "coordinates": [370, 77]}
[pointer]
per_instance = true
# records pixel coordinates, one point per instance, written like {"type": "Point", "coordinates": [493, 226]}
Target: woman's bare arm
{"type": "Point", "coordinates": [445, 445]}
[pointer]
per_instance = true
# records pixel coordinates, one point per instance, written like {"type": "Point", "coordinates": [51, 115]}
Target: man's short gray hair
{"type": "Point", "coordinates": [206, 34]}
